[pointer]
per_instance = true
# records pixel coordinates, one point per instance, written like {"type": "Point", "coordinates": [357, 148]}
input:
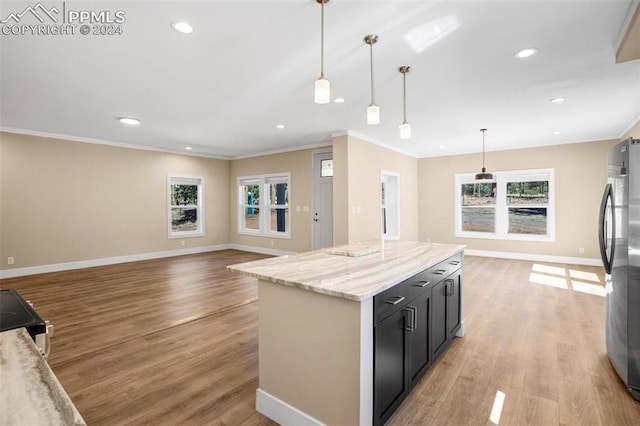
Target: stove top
{"type": "Point", "coordinates": [15, 312]}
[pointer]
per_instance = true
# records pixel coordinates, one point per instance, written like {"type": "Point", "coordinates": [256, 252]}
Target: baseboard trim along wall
{"type": "Point", "coordinates": [58, 267]}
{"type": "Point", "coordinates": [535, 257]}
{"type": "Point", "coordinates": [281, 412]}
{"type": "Point", "coordinates": [67, 266]}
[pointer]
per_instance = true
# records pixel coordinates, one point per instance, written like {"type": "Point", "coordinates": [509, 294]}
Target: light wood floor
{"type": "Point", "coordinates": [174, 341]}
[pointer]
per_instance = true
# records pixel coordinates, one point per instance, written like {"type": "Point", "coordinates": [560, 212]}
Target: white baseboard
{"type": "Point", "coordinates": [535, 257]}
{"type": "Point", "coordinates": [80, 264]}
{"type": "Point", "coordinates": [281, 412]}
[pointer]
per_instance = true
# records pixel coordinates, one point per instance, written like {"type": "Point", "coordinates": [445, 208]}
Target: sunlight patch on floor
{"type": "Point", "coordinates": [554, 276]}
{"type": "Point", "coordinates": [588, 288]}
{"type": "Point", "coordinates": [496, 410]}
{"type": "Point", "coordinates": [548, 280]}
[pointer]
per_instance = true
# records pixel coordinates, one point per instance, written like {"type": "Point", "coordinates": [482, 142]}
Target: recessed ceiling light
{"type": "Point", "coordinates": [338, 100]}
{"type": "Point", "coordinates": [188, 148]}
{"type": "Point", "coordinates": [443, 146]}
{"type": "Point", "coordinates": [557, 100]}
{"type": "Point", "coordinates": [130, 121]}
{"type": "Point", "coordinates": [556, 133]}
{"type": "Point", "coordinates": [525, 53]}
{"type": "Point", "coordinates": [280, 126]}
{"type": "Point", "coordinates": [182, 27]}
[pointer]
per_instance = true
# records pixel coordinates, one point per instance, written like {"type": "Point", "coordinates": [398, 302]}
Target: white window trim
{"type": "Point", "coordinates": [502, 211]}
{"type": "Point", "coordinates": [191, 180]}
{"type": "Point", "coordinates": [264, 206]}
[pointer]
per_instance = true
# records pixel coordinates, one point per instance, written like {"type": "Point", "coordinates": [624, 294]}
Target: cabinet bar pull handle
{"type": "Point", "coordinates": [409, 326]}
{"type": "Point", "coordinates": [413, 319]}
{"type": "Point", "coordinates": [454, 262]}
{"type": "Point", "coordinates": [440, 271]}
{"type": "Point", "coordinates": [422, 284]}
{"type": "Point", "coordinates": [395, 301]}
{"type": "Point", "coordinates": [450, 287]}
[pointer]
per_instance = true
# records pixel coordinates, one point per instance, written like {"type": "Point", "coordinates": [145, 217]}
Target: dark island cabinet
{"type": "Point", "coordinates": [413, 323]}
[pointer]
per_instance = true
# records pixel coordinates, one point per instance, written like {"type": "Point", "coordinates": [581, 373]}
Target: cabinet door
{"type": "Point", "coordinates": [453, 304]}
{"type": "Point", "coordinates": [389, 367]}
{"type": "Point", "coordinates": [439, 318]}
{"type": "Point", "coordinates": [419, 338]}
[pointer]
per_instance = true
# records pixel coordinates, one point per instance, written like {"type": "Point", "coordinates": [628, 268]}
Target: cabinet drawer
{"type": "Point", "coordinates": [420, 283]}
{"type": "Point", "coordinates": [390, 300]}
{"type": "Point", "coordinates": [445, 268]}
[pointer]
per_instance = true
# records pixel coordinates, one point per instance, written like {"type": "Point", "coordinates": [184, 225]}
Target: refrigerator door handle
{"type": "Point", "coordinates": [603, 228]}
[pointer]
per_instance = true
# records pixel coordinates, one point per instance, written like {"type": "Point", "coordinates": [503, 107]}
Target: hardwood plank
{"type": "Point", "coordinates": [535, 410]}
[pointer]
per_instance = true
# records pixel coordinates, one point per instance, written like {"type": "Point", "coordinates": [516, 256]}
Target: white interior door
{"type": "Point", "coordinates": [322, 214]}
{"type": "Point", "coordinates": [390, 202]}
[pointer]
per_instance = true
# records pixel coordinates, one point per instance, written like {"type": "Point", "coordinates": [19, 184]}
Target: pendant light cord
{"type": "Point", "coordinates": [322, 40]}
{"type": "Point", "coordinates": [373, 92]}
{"type": "Point", "coordinates": [483, 168]}
{"type": "Point", "coordinates": [404, 96]}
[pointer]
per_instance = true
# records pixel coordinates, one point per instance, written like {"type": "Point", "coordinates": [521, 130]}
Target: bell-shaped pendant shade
{"type": "Point", "coordinates": [323, 91]}
{"type": "Point", "coordinates": [373, 114]}
{"type": "Point", "coordinates": [405, 131]}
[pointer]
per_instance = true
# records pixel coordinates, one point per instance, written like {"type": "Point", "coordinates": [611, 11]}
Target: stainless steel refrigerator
{"type": "Point", "coordinates": [619, 235]}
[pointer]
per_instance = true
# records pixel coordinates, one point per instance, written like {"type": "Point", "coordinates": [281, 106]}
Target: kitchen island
{"type": "Point", "coordinates": [346, 332]}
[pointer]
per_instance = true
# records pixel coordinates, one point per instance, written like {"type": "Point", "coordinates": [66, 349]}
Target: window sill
{"type": "Point", "coordinates": [281, 236]}
{"type": "Point", "coordinates": [487, 236]}
{"type": "Point", "coordinates": [176, 235]}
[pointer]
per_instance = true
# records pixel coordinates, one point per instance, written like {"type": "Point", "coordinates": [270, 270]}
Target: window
{"type": "Point", "coordinates": [263, 205]}
{"type": "Point", "coordinates": [516, 205]}
{"type": "Point", "coordinates": [185, 206]}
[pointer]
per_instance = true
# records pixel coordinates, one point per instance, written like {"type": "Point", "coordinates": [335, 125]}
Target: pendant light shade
{"type": "Point", "coordinates": [405, 127]}
{"type": "Point", "coordinates": [322, 92]}
{"type": "Point", "coordinates": [373, 114]}
{"type": "Point", "coordinates": [484, 175]}
{"type": "Point", "coordinates": [373, 111]}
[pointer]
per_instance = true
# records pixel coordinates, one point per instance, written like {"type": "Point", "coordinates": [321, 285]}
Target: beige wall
{"type": "Point", "coordinates": [65, 201]}
{"type": "Point", "coordinates": [580, 176]}
{"type": "Point", "coordinates": [300, 165]}
{"type": "Point", "coordinates": [361, 187]}
{"type": "Point", "coordinates": [340, 190]}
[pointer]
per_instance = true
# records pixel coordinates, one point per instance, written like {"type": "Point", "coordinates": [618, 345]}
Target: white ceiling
{"type": "Point", "coordinates": [250, 65]}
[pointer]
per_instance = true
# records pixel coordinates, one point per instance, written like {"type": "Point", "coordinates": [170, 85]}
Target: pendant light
{"type": "Point", "coordinates": [484, 175]}
{"type": "Point", "coordinates": [373, 112]}
{"type": "Point", "coordinates": [322, 94]}
{"type": "Point", "coordinates": [405, 127]}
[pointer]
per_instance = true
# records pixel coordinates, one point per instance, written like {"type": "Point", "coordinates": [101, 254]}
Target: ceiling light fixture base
{"type": "Point", "coordinates": [370, 39]}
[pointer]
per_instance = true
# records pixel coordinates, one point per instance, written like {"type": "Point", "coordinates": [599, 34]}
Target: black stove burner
{"type": "Point", "coordinates": [15, 312]}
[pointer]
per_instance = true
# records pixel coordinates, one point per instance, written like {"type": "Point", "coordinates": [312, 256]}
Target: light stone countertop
{"type": "Point", "coordinates": [356, 272]}
{"type": "Point", "coordinates": [30, 394]}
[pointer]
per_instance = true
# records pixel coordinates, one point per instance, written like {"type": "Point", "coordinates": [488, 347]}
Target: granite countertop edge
{"type": "Point", "coordinates": [283, 275]}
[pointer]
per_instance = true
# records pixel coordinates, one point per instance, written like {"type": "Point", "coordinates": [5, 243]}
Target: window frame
{"type": "Point", "coordinates": [264, 205]}
{"type": "Point", "coordinates": [501, 229]}
{"type": "Point", "coordinates": [173, 179]}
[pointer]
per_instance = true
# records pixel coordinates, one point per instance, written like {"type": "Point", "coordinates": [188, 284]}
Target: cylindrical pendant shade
{"type": "Point", "coordinates": [373, 114]}
{"type": "Point", "coordinates": [405, 131]}
{"type": "Point", "coordinates": [323, 91]}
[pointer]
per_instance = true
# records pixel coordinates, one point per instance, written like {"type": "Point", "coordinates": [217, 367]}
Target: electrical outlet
{"type": "Point", "coordinates": [581, 250]}
{"type": "Point", "coordinates": [182, 243]}
{"type": "Point", "coordinates": [10, 260]}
